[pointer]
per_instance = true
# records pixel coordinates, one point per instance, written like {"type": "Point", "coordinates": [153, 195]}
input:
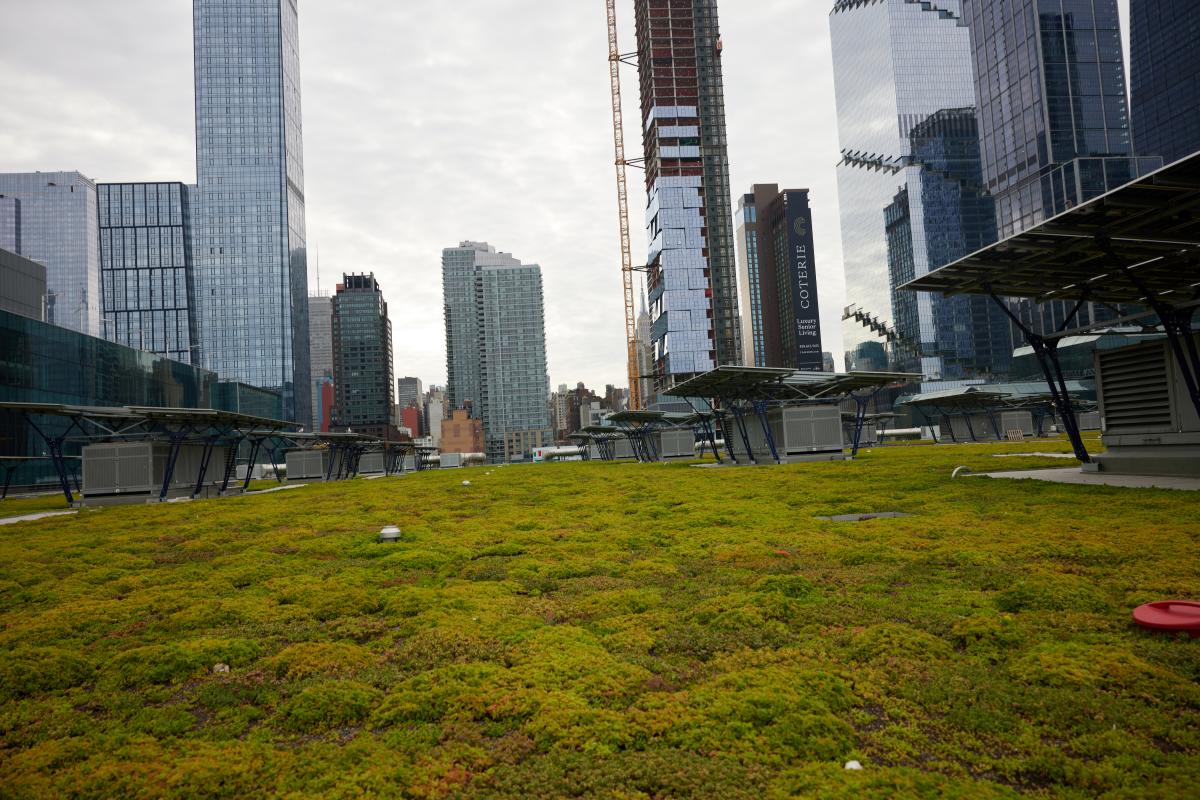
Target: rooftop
{"type": "Point", "coordinates": [607, 630]}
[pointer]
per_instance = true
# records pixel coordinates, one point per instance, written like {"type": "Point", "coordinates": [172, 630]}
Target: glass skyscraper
{"type": "Point", "coordinates": [692, 277]}
{"type": "Point", "coordinates": [1165, 77]}
{"type": "Point", "coordinates": [146, 267]}
{"type": "Point", "coordinates": [251, 270]}
{"type": "Point", "coordinates": [496, 347]}
{"type": "Point", "coordinates": [51, 218]}
{"type": "Point", "coordinates": [909, 184]}
{"type": "Point", "coordinates": [1052, 106]}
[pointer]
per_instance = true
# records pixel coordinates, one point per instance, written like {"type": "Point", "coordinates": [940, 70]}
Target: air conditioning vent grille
{"type": "Point", "coordinates": [1136, 389]}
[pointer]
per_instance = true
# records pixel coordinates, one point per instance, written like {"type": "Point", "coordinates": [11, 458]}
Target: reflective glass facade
{"type": "Point", "coordinates": [43, 363]}
{"type": "Point", "coordinates": [1053, 113]}
{"type": "Point", "coordinates": [362, 358]}
{"type": "Point", "coordinates": [251, 271]}
{"type": "Point", "coordinates": [1164, 77]}
{"type": "Point", "coordinates": [909, 184]}
{"type": "Point", "coordinates": [692, 277]}
{"type": "Point", "coordinates": [10, 224]}
{"type": "Point", "coordinates": [146, 267]}
{"type": "Point", "coordinates": [56, 220]}
{"type": "Point", "coordinates": [496, 347]}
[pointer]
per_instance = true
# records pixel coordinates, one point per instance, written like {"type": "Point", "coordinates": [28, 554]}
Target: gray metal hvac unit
{"type": "Point", "coordinates": [307, 465]}
{"type": "Point", "coordinates": [623, 450]}
{"type": "Point", "coordinates": [371, 464]}
{"type": "Point", "coordinates": [801, 433]}
{"type": "Point", "coordinates": [1017, 421]}
{"type": "Point", "coordinates": [675, 444]}
{"type": "Point", "coordinates": [1090, 421]}
{"type": "Point", "coordinates": [133, 469]}
{"type": "Point", "coordinates": [1149, 421]}
{"type": "Point", "coordinates": [972, 428]}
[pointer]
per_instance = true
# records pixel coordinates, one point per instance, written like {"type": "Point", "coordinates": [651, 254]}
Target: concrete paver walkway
{"type": "Point", "coordinates": [1076, 476]}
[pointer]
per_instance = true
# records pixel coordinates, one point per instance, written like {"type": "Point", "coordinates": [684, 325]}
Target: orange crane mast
{"type": "Point", "coordinates": [614, 61]}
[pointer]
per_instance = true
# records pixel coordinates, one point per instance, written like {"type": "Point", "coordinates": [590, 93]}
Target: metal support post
{"type": "Point", "coordinates": [970, 428]}
{"type": "Point", "coordinates": [860, 417]}
{"type": "Point", "coordinates": [1046, 351]}
{"type": "Point", "coordinates": [230, 466]}
{"type": "Point", "coordinates": [991, 415]}
{"type": "Point", "coordinates": [741, 426]}
{"type": "Point", "coordinates": [711, 435]}
{"type": "Point", "coordinates": [760, 408]}
{"type": "Point", "coordinates": [726, 434]}
{"type": "Point", "coordinates": [8, 473]}
{"type": "Point", "coordinates": [205, 457]}
{"type": "Point", "coordinates": [254, 448]}
{"type": "Point", "coordinates": [177, 440]}
{"type": "Point", "coordinates": [54, 445]}
{"type": "Point", "coordinates": [333, 457]}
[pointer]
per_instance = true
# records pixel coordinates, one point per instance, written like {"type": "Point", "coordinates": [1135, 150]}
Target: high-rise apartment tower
{"type": "Point", "coordinates": [692, 277]}
{"type": "Point", "coordinates": [777, 280]}
{"type": "Point", "coordinates": [496, 347]}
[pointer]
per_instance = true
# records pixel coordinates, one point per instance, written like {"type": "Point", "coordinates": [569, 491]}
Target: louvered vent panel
{"type": "Point", "coordinates": [1136, 393]}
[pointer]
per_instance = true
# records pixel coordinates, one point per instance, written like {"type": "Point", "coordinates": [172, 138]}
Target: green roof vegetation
{"type": "Point", "coordinates": [609, 630]}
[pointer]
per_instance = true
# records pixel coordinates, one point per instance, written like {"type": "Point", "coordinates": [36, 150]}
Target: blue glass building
{"type": "Point", "coordinates": [1165, 77]}
{"type": "Point", "coordinates": [1053, 112]}
{"type": "Point", "coordinates": [146, 267]}
{"type": "Point", "coordinates": [251, 271]}
{"type": "Point", "coordinates": [909, 183]}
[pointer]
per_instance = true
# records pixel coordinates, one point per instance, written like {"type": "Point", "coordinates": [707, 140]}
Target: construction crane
{"type": "Point", "coordinates": [614, 62]}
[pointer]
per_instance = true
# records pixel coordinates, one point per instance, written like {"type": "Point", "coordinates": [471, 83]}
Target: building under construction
{"type": "Point", "coordinates": [691, 272]}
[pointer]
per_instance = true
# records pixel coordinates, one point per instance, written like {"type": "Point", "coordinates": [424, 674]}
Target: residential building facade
{"type": "Point", "coordinates": [362, 358]}
{"type": "Point", "coordinates": [146, 267]}
{"type": "Point", "coordinates": [462, 433]}
{"type": "Point", "coordinates": [251, 265]}
{"type": "Point", "coordinates": [51, 218]}
{"type": "Point", "coordinates": [496, 347]}
{"type": "Point", "coordinates": [1164, 78]}
{"type": "Point", "coordinates": [692, 276]}
{"type": "Point", "coordinates": [777, 279]}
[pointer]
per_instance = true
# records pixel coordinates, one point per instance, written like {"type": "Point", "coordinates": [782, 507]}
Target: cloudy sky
{"type": "Point", "coordinates": [429, 123]}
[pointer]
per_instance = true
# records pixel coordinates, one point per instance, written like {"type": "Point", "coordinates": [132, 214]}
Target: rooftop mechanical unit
{"type": "Point", "coordinates": [1149, 422]}
{"type": "Point", "coordinates": [674, 444]}
{"type": "Point", "coordinates": [972, 428]}
{"type": "Point", "coordinates": [307, 465]}
{"type": "Point", "coordinates": [800, 433]}
{"type": "Point", "coordinates": [371, 464]}
{"type": "Point", "coordinates": [135, 471]}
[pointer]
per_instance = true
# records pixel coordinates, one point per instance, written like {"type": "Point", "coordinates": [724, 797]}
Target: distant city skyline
{"type": "Point", "coordinates": [541, 185]}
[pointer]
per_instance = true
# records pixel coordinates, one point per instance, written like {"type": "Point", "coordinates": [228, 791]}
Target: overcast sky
{"type": "Point", "coordinates": [430, 123]}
